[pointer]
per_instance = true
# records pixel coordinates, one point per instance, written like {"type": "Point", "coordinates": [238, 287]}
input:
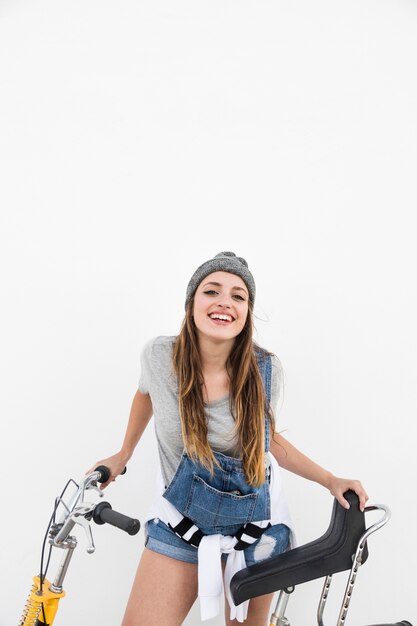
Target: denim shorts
{"type": "Point", "coordinates": [160, 538]}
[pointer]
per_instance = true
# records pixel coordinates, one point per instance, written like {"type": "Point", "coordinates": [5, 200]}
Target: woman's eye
{"type": "Point", "coordinates": [213, 292]}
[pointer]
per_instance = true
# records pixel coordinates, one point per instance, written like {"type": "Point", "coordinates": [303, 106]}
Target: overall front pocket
{"type": "Point", "coordinates": [209, 507]}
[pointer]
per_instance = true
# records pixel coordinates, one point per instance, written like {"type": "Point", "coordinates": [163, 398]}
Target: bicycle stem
{"type": "Point", "coordinates": [57, 585]}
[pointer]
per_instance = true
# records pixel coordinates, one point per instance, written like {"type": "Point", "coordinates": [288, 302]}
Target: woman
{"type": "Point", "coordinates": [212, 392]}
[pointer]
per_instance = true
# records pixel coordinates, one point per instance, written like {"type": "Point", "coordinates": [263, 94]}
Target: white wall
{"type": "Point", "coordinates": [138, 139]}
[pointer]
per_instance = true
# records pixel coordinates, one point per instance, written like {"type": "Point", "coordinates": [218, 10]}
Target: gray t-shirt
{"type": "Point", "coordinates": [158, 379]}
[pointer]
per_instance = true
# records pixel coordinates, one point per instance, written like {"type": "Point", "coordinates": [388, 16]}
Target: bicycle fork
{"type": "Point", "coordinates": [41, 606]}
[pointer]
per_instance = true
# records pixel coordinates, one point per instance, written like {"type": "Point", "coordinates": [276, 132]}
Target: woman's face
{"type": "Point", "coordinates": [221, 304]}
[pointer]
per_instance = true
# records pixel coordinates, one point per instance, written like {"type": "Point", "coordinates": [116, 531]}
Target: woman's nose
{"type": "Point", "coordinates": [225, 301]}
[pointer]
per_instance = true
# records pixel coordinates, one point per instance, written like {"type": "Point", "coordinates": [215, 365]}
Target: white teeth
{"type": "Point", "coordinates": [217, 316]}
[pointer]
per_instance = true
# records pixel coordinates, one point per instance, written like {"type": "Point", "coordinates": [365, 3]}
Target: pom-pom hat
{"type": "Point", "coordinates": [222, 262]}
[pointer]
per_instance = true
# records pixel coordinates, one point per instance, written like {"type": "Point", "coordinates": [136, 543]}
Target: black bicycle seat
{"type": "Point", "coordinates": [327, 555]}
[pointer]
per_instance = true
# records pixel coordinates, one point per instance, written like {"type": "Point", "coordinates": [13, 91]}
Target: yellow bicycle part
{"type": "Point", "coordinates": [33, 615]}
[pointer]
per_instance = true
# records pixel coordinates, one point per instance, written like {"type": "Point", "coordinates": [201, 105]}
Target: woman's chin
{"type": "Point", "coordinates": [219, 334]}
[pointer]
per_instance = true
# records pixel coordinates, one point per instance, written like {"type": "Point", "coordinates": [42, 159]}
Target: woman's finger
{"type": "Point", "coordinates": [343, 501]}
{"type": "Point", "coordinates": [361, 493]}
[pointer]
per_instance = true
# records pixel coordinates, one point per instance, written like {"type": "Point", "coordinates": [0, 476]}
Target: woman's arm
{"type": "Point", "coordinates": [140, 414]}
{"type": "Point", "coordinates": [295, 461]}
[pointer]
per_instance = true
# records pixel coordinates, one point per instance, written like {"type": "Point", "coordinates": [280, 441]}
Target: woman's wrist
{"type": "Point", "coordinates": [125, 454]}
{"type": "Point", "coordinates": [327, 480]}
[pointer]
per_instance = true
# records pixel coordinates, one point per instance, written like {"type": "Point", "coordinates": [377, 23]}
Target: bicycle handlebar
{"type": "Point", "coordinates": [103, 513]}
{"type": "Point", "coordinates": [78, 511]}
{"type": "Point", "coordinates": [105, 473]}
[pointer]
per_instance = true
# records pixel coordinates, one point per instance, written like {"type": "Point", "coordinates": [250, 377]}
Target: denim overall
{"type": "Point", "coordinates": [222, 502]}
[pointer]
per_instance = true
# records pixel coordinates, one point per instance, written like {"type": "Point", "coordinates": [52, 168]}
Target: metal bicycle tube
{"type": "Point", "coordinates": [323, 598]}
{"type": "Point", "coordinates": [278, 616]}
{"type": "Point", "coordinates": [56, 586]}
{"type": "Point", "coordinates": [357, 559]}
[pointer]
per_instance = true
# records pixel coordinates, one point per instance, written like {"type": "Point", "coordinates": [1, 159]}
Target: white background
{"type": "Point", "coordinates": [138, 139]}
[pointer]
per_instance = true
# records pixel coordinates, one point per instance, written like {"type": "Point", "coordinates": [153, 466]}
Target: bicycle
{"type": "Point", "coordinates": [42, 603]}
{"type": "Point", "coordinates": [343, 547]}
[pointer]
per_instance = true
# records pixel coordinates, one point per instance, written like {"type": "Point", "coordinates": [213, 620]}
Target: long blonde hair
{"type": "Point", "coordinates": [248, 402]}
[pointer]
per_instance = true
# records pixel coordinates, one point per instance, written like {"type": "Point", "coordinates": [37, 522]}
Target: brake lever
{"type": "Point", "coordinates": [78, 516]}
{"type": "Point", "coordinates": [95, 487]}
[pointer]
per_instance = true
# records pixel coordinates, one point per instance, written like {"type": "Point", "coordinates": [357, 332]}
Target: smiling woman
{"type": "Point", "coordinates": [212, 392]}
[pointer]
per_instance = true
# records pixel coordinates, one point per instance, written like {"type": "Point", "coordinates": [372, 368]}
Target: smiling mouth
{"type": "Point", "coordinates": [221, 319]}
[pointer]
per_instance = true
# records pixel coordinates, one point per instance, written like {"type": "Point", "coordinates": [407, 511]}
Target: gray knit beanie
{"type": "Point", "coordinates": [222, 262]}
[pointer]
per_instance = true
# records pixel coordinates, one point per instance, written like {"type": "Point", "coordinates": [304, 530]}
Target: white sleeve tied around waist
{"type": "Point", "coordinates": [210, 576]}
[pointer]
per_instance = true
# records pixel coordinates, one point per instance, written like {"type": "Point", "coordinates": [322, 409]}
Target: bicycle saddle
{"type": "Point", "coordinates": [329, 554]}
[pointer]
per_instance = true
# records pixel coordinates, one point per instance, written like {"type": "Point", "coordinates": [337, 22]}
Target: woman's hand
{"type": "Point", "coordinates": [116, 465]}
{"type": "Point", "coordinates": [338, 486]}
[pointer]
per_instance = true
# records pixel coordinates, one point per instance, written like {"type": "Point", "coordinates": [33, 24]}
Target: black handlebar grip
{"type": "Point", "coordinates": [105, 473]}
{"type": "Point", "coordinates": [103, 513]}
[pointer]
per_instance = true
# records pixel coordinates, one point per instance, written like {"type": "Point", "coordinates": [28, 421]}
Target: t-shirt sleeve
{"type": "Point", "coordinates": [277, 384]}
{"type": "Point", "coordinates": [145, 367]}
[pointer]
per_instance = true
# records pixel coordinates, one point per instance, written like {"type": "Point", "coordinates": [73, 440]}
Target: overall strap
{"type": "Point", "coordinates": [244, 537]}
{"type": "Point", "coordinates": [265, 368]}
